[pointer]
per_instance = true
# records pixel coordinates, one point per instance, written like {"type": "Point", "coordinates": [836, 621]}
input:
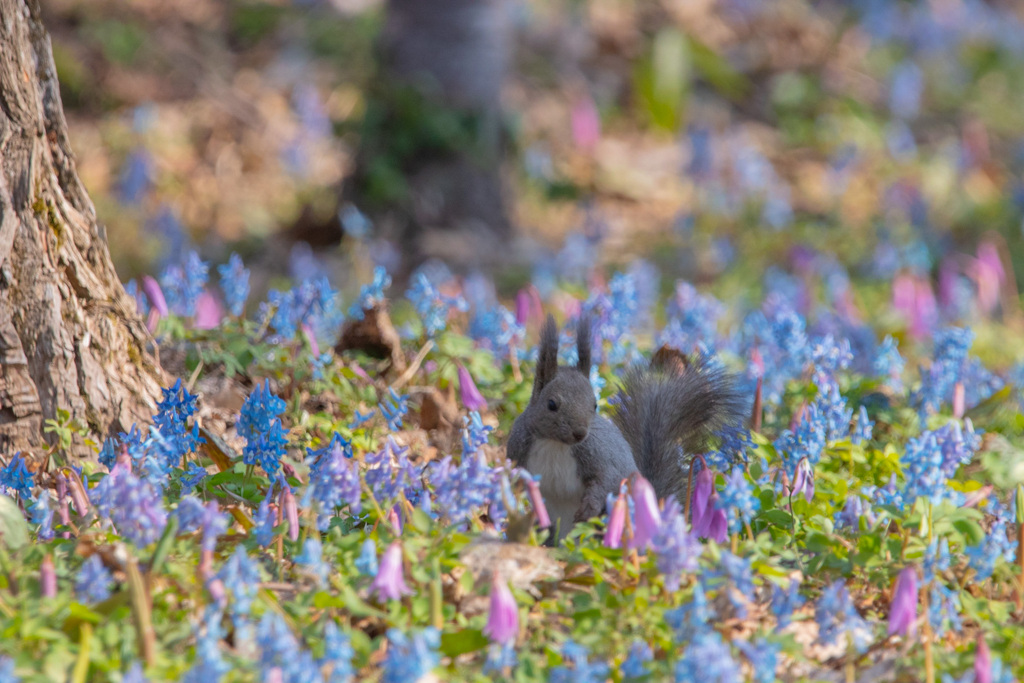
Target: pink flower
{"type": "Point", "coordinates": [155, 295]}
{"type": "Point", "coordinates": [471, 397]}
{"type": "Point", "coordinates": [533, 487]}
{"type": "Point", "coordinates": [586, 123]}
{"type": "Point", "coordinates": [982, 662]}
{"type": "Point", "coordinates": [959, 397]}
{"type": "Point", "coordinates": [804, 482]}
{"type": "Point", "coordinates": [708, 520]}
{"type": "Point", "coordinates": [291, 511]}
{"type": "Point", "coordinates": [989, 275]}
{"type": "Point", "coordinates": [616, 523]}
{"type": "Point", "coordinates": [903, 610]}
{"type": "Point", "coordinates": [208, 312]}
{"type": "Point", "coordinates": [48, 578]}
{"type": "Point", "coordinates": [395, 519]}
{"type": "Point", "coordinates": [647, 514]}
{"type": "Point", "coordinates": [62, 503]}
{"type": "Point", "coordinates": [389, 583]}
{"type": "Point", "coordinates": [503, 620]}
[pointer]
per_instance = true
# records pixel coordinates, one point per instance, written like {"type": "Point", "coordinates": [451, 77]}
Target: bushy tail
{"type": "Point", "coordinates": [675, 402]}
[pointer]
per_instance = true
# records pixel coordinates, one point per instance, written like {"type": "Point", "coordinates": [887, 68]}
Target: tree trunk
{"type": "Point", "coordinates": [70, 337]}
{"type": "Point", "coordinates": [435, 131]}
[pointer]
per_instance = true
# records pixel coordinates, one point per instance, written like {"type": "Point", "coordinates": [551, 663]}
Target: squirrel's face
{"type": "Point", "coordinates": [565, 407]}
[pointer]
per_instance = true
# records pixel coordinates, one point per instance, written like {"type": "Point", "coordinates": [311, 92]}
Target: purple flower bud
{"type": "Point", "coordinates": [395, 519]}
{"type": "Point", "coordinates": [48, 578]}
{"type": "Point", "coordinates": [503, 621]}
{"type": "Point", "coordinates": [390, 581]}
{"type": "Point", "coordinates": [155, 295]}
{"type": "Point", "coordinates": [699, 502]}
{"type": "Point", "coordinates": [62, 504]}
{"type": "Point", "coordinates": [471, 396]}
{"type": "Point", "coordinates": [982, 662]}
{"type": "Point", "coordinates": [291, 512]}
{"type": "Point", "coordinates": [78, 496]}
{"type": "Point", "coordinates": [959, 396]}
{"type": "Point", "coordinates": [804, 481]}
{"type": "Point", "coordinates": [533, 487]}
{"type": "Point", "coordinates": [616, 523]}
{"type": "Point", "coordinates": [903, 610]}
{"type": "Point", "coordinates": [714, 524]}
{"type": "Point", "coordinates": [648, 516]}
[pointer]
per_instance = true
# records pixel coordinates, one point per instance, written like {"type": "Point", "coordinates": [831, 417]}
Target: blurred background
{"type": "Point", "coordinates": [740, 142]}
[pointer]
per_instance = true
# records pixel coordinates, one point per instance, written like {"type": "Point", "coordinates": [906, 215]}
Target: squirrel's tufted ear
{"type": "Point", "coordinates": [547, 359]}
{"type": "Point", "coordinates": [583, 341]}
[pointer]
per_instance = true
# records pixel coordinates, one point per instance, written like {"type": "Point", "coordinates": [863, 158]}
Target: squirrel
{"type": "Point", "coordinates": [582, 456]}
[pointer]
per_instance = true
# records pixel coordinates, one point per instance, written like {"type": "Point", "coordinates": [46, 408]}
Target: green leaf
{"type": "Point", "coordinates": [462, 642]}
{"type": "Point", "coordinates": [13, 526]}
{"type": "Point", "coordinates": [777, 517]}
{"type": "Point", "coordinates": [971, 531]}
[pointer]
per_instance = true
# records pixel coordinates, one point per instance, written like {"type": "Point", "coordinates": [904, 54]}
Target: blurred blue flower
{"type": "Point", "coordinates": [737, 499]}
{"type": "Point", "coordinates": [312, 558]}
{"type": "Point", "coordinates": [93, 581]}
{"type": "Point", "coordinates": [366, 563]}
{"type": "Point", "coordinates": [234, 281]}
{"type": "Point", "coordinates": [784, 602]}
{"type": "Point", "coordinates": [411, 657]}
{"type": "Point", "coordinates": [372, 294]}
{"type": "Point", "coordinates": [241, 577]}
{"type": "Point", "coordinates": [676, 548]}
{"type": "Point", "coordinates": [837, 616]}
{"type": "Point", "coordinates": [136, 177]}
{"type": "Point", "coordinates": [133, 506]}
{"type": "Point", "coordinates": [582, 670]}
{"type": "Point", "coordinates": [707, 659]}
{"type": "Point", "coordinates": [338, 654]}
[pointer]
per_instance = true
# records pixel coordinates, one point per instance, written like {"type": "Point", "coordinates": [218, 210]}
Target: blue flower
{"type": "Point", "coordinates": [393, 409]}
{"type": "Point", "coordinates": [994, 546]}
{"type": "Point", "coordinates": [312, 557]}
{"type": "Point", "coordinates": [136, 177]}
{"type": "Point", "coordinates": [676, 548]}
{"type": "Point", "coordinates": [738, 501]}
{"type": "Point", "coordinates": [635, 664]}
{"type": "Point", "coordinates": [863, 432]}
{"type": "Point", "coordinates": [707, 659]}
{"type": "Point", "coordinates": [937, 381]}
{"type": "Point", "coordinates": [944, 609]}
{"type": "Point", "coordinates": [366, 563]}
{"type": "Point", "coordinates": [16, 477]}
{"type": "Point", "coordinates": [936, 560]}
{"type": "Point", "coordinates": [338, 654]}
{"type": "Point", "coordinates": [582, 669]}
{"type": "Point", "coordinates": [334, 480]}
{"type": "Point", "coordinates": [182, 284]}
{"type": "Point", "coordinates": [7, 674]}
{"type": "Point", "coordinates": [209, 665]}
{"type": "Point", "coordinates": [241, 577]}
{"type": "Point", "coordinates": [692, 617]}
{"type": "Point", "coordinates": [763, 658]}
{"type": "Point", "coordinates": [190, 478]}
{"type": "Point", "coordinates": [173, 412]}
{"type": "Point", "coordinates": [92, 584]}
{"type": "Point", "coordinates": [260, 425]}
{"type": "Point", "coordinates": [496, 329]}
{"type": "Point", "coordinates": [905, 90]}
{"type": "Point", "coordinates": [474, 433]}
{"type": "Point", "coordinates": [784, 601]}
{"type": "Point", "coordinates": [466, 489]}
{"type": "Point", "coordinates": [410, 658]}
{"type": "Point", "coordinates": [42, 514]}
{"type": "Point", "coordinates": [736, 570]}
{"type": "Point", "coordinates": [432, 307]}
{"type": "Point", "coordinates": [264, 529]}
{"type": "Point", "coordinates": [692, 318]}
{"type": "Point", "coordinates": [372, 294]}
{"type": "Point", "coordinates": [500, 657]}
{"type": "Point", "coordinates": [807, 441]}
{"type": "Point", "coordinates": [837, 616]}
{"type": "Point", "coordinates": [134, 506]}
{"type": "Point", "coordinates": [234, 281]}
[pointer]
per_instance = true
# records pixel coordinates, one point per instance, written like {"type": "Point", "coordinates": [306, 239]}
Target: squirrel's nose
{"type": "Point", "coordinates": [579, 434]}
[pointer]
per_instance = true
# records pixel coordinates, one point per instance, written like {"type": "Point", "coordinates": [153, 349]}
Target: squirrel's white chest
{"type": "Point", "coordinates": [560, 482]}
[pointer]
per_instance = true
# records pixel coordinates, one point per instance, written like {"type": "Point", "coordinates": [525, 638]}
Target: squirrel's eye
{"type": "Point", "coordinates": [552, 405]}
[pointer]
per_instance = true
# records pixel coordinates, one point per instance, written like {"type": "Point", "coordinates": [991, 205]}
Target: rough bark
{"type": "Point", "coordinates": [70, 337]}
{"type": "Point", "coordinates": [454, 54]}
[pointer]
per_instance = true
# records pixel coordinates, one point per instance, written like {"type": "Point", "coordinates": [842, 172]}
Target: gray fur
{"type": "Point", "coordinates": [658, 412]}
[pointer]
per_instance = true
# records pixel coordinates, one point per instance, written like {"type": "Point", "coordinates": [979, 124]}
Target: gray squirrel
{"type": "Point", "coordinates": [582, 457]}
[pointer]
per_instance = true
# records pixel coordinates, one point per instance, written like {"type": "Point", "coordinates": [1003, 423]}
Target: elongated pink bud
{"type": "Point", "coordinates": [155, 295]}
{"type": "Point", "coordinates": [311, 338]}
{"type": "Point", "coordinates": [537, 500]}
{"type": "Point", "coordinates": [903, 610]}
{"type": "Point", "coordinates": [48, 578]}
{"type": "Point", "coordinates": [616, 523]}
{"type": "Point", "coordinates": [503, 619]}
{"type": "Point", "coordinates": [291, 512]}
{"type": "Point", "coordinates": [62, 503]}
{"type": "Point", "coordinates": [395, 519]}
{"type": "Point", "coordinates": [646, 512]}
{"type": "Point", "coordinates": [982, 662]}
{"type": "Point", "coordinates": [958, 400]}
{"type": "Point", "coordinates": [389, 583]}
{"type": "Point", "coordinates": [702, 490]}
{"type": "Point", "coordinates": [471, 396]}
{"type": "Point", "coordinates": [78, 495]}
